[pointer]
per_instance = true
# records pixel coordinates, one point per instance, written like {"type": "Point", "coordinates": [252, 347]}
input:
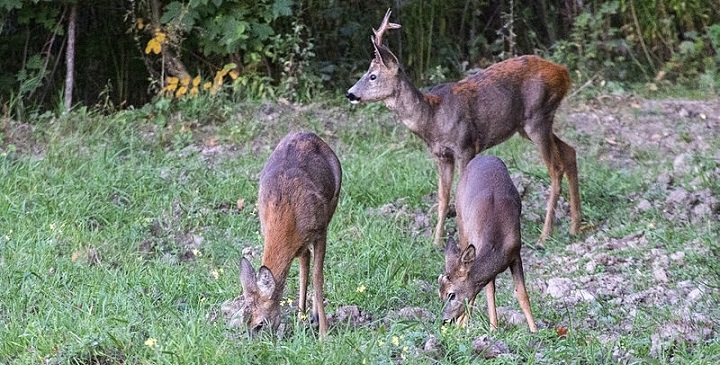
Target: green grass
{"type": "Point", "coordinates": [118, 231]}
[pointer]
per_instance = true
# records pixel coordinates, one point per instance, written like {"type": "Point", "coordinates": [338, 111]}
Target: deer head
{"type": "Point", "coordinates": [378, 83]}
{"type": "Point", "coordinates": [261, 307]}
{"type": "Point", "coordinates": [456, 287]}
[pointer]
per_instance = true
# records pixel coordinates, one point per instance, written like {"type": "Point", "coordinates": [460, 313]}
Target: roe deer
{"type": "Point", "coordinates": [488, 214]}
{"type": "Point", "coordinates": [459, 120]}
{"type": "Point", "coordinates": [299, 190]}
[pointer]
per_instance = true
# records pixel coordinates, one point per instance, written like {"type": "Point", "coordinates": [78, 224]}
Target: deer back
{"type": "Point", "coordinates": [487, 108]}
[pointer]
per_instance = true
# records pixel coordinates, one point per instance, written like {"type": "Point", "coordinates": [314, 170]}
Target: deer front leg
{"type": "Point", "coordinates": [492, 309]}
{"type": "Point", "coordinates": [516, 269]}
{"type": "Point", "coordinates": [446, 167]}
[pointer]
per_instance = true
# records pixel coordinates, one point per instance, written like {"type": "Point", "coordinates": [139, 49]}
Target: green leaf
{"type": "Point", "coordinates": [172, 12]}
{"type": "Point", "coordinates": [262, 31]}
{"type": "Point", "coordinates": [282, 8]}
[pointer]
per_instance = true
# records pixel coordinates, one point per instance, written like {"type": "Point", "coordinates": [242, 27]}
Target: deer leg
{"type": "Point", "coordinates": [492, 310]}
{"type": "Point", "coordinates": [446, 167]}
{"type": "Point", "coordinates": [318, 280]}
{"type": "Point", "coordinates": [567, 153]}
{"type": "Point", "coordinates": [545, 143]}
{"type": "Point", "coordinates": [304, 259]}
{"type": "Point", "coordinates": [516, 269]}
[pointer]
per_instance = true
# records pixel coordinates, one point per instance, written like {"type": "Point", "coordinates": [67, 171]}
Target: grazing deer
{"type": "Point", "coordinates": [488, 214]}
{"type": "Point", "coordinates": [459, 120]}
{"type": "Point", "coordinates": [299, 189]}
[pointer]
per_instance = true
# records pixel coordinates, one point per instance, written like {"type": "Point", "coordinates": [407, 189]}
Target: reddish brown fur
{"type": "Point", "coordinates": [432, 99]}
{"type": "Point", "coordinates": [466, 87]}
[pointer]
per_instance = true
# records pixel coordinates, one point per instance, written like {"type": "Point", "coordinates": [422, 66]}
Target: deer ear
{"type": "Point", "coordinates": [468, 256]}
{"type": "Point", "coordinates": [265, 281]}
{"type": "Point", "coordinates": [451, 253]}
{"type": "Point", "coordinates": [247, 277]}
{"type": "Point", "coordinates": [384, 56]}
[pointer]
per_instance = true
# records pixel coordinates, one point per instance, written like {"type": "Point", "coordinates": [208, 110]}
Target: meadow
{"type": "Point", "coordinates": [121, 237]}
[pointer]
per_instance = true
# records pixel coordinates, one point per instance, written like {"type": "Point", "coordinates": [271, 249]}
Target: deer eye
{"type": "Point", "coordinates": [451, 296]}
{"type": "Point", "coordinates": [373, 77]}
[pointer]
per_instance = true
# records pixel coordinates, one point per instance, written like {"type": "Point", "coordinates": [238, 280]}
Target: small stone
{"type": "Point", "coordinates": [694, 295]}
{"type": "Point", "coordinates": [583, 295]}
{"type": "Point", "coordinates": [678, 195]}
{"type": "Point", "coordinates": [643, 206]}
{"type": "Point", "coordinates": [559, 287]}
{"type": "Point", "coordinates": [660, 274]}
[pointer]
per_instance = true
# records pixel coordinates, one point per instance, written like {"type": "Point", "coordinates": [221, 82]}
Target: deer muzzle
{"type": "Point", "coordinates": [354, 99]}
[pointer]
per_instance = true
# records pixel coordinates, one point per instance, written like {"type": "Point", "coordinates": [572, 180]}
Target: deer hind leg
{"type": "Point", "coordinates": [567, 154]}
{"type": "Point", "coordinates": [492, 309]}
{"type": "Point", "coordinates": [318, 280]}
{"type": "Point", "coordinates": [304, 260]}
{"type": "Point", "coordinates": [516, 269]}
{"type": "Point", "coordinates": [545, 142]}
{"type": "Point", "coordinates": [446, 169]}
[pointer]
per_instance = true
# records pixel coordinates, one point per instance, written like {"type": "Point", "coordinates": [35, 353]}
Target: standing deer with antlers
{"type": "Point", "coordinates": [459, 120]}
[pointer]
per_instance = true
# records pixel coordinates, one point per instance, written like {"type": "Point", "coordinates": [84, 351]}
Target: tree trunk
{"type": "Point", "coordinates": [70, 57]}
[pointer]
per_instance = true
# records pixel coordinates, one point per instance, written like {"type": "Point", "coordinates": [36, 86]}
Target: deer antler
{"type": "Point", "coordinates": [385, 25]}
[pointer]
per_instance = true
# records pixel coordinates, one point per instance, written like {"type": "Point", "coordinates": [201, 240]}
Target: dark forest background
{"type": "Point", "coordinates": [115, 54]}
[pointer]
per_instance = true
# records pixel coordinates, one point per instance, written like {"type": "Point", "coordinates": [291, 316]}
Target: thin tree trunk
{"type": "Point", "coordinates": [70, 57]}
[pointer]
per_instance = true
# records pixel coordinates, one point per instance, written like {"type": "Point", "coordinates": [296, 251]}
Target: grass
{"type": "Point", "coordinates": [120, 239]}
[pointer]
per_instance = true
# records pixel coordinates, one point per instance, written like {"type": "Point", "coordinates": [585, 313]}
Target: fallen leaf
{"type": "Point", "coordinates": [561, 331]}
{"type": "Point", "coordinates": [240, 204]}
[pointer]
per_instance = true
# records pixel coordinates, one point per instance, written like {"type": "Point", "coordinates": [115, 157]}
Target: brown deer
{"type": "Point", "coordinates": [299, 190]}
{"type": "Point", "coordinates": [459, 120]}
{"type": "Point", "coordinates": [488, 214]}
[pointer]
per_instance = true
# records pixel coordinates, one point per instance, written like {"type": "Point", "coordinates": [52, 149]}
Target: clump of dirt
{"type": "Point", "coordinates": [169, 239]}
{"type": "Point", "coordinates": [411, 314]}
{"type": "Point", "coordinates": [349, 315]}
{"type": "Point", "coordinates": [20, 138]}
{"type": "Point", "coordinates": [417, 220]}
{"type": "Point", "coordinates": [490, 348]}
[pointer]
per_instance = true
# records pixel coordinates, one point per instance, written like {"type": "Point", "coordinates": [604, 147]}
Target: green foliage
{"type": "Point", "coordinates": [596, 47]}
{"type": "Point", "coordinates": [299, 81]}
{"type": "Point", "coordinates": [295, 49]}
{"type": "Point", "coordinates": [228, 26]}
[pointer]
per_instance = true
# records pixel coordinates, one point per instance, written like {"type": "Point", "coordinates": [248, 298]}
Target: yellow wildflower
{"type": "Point", "coordinates": [150, 342]}
{"type": "Point", "coordinates": [361, 288]}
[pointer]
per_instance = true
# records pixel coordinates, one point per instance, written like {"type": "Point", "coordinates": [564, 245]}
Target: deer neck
{"type": "Point", "coordinates": [410, 105]}
{"type": "Point", "coordinates": [279, 266]}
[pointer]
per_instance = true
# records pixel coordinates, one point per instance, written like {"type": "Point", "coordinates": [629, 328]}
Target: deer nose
{"type": "Point", "coordinates": [353, 98]}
